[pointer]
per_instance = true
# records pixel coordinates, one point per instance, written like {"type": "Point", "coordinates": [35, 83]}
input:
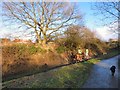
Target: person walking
{"type": "Point", "coordinates": [87, 54]}
{"type": "Point", "coordinates": [79, 55]}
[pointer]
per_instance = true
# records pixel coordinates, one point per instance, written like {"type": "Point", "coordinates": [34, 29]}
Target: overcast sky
{"type": "Point", "coordinates": [90, 20]}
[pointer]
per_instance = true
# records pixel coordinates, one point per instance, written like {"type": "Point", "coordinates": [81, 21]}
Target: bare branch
{"type": "Point", "coordinates": [45, 18]}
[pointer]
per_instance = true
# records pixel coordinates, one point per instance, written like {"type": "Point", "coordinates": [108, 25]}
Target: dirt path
{"type": "Point", "coordinates": [101, 76]}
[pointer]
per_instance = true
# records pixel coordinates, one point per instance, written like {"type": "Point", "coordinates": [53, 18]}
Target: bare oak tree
{"type": "Point", "coordinates": [45, 18]}
{"type": "Point", "coordinates": [111, 13]}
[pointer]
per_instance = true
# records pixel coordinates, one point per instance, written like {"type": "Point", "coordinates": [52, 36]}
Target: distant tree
{"type": "Point", "coordinates": [111, 13]}
{"type": "Point", "coordinates": [5, 40]}
{"type": "Point", "coordinates": [79, 36]}
{"type": "Point", "coordinates": [72, 37]}
{"type": "Point", "coordinates": [45, 18]}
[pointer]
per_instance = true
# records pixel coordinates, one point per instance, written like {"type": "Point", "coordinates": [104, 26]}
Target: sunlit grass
{"type": "Point", "coordinates": [66, 77]}
{"type": "Point", "coordinates": [93, 61]}
{"type": "Point", "coordinates": [71, 76]}
{"type": "Point", "coordinates": [110, 54]}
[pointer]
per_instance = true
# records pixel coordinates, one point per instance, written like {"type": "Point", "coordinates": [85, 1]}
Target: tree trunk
{"type": "Point", "coordinates": [44, 40]}
{"type": "Point", "coordinates": [44, 36]}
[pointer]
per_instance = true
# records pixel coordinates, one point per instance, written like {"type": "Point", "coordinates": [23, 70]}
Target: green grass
{"type": "Point", "coordinates": [110, 53]}
{"type": "Point", "coordinates": [32, 49]}
{"type": "Point", "coordinates": [72, 76]}
{"type": "Point", "coordinates": [61, 49]}
{"type": "Point", "coordinates": [23, 48]}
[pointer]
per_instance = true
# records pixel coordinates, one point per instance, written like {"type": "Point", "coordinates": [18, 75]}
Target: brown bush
{"type": "Point", "coordinates": [22, 58]}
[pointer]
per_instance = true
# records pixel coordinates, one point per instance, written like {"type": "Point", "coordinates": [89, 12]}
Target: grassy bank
{"type": "Point", "coordinates": [109, 54]}
{"type": "Point", "coordinates": [72, 76]}
{"type": "Point", "coordinates": [19, 60]}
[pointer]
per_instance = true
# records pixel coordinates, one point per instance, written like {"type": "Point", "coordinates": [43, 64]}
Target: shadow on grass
{"type": "Point", "coordinates": [41, 69]}
{"type": "Point", "coordinates": [30, 72]}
